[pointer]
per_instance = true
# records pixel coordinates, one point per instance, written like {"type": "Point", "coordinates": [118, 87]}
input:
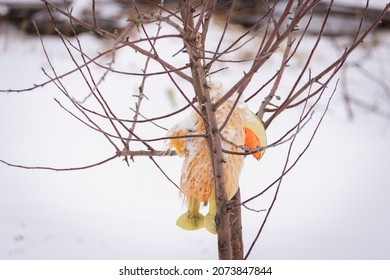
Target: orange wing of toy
{"type": "Point", "coordinates": [255, 136]}
{"type": "Point", "coordinates": [251, 141]}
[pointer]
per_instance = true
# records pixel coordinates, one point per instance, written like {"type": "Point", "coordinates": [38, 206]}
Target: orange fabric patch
{"type": "Point", "coordinates": [251, 141]}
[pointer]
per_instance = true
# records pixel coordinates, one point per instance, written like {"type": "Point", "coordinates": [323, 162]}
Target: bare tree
{"type": "Point", "coordinates": [281, 26]}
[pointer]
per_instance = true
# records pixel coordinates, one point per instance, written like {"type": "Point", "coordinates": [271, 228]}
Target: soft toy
{"type": "Point", "coordinates": [244, 131]}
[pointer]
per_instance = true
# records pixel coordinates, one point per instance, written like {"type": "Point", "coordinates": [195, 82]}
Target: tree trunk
{"type": "Point", "coordinates": [194, 49]}
{"type": "Point", "coordinates": [236, 228]}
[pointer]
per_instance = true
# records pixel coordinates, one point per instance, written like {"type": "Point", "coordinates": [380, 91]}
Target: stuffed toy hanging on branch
{"type": "Point", "coordinates": [243, 131]}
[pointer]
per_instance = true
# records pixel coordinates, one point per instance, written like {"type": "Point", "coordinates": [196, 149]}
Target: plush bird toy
{"type": "Point", "coordinates": [243, 131]}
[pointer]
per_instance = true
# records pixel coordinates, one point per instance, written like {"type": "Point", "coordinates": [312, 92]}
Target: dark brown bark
{"type": "Point", "coordinates": [214, 140]}
{"type": "Point", "coordinates": [236, 228]}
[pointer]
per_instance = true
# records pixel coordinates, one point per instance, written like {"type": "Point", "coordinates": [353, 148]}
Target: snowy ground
{"type": "Point", "coordinates": [332, 205]}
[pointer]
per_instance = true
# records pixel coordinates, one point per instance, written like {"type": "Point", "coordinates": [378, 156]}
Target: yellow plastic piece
{"type": "Point", "coordinates": [209, 220]}
{"type": "Point", "coordinates": [192, 219]}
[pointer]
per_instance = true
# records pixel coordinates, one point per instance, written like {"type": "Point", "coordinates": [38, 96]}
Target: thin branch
{"type": "Point", "coordinates": [230, 47]}
{"type": "Point", "coordinates": [335, 66]}
{"type": "Point", "coordinates": [163, 172]}
{"type": "Point", "coordinates": [94, 61]}
{"type": "Point", "coordinates": [62, 88]}
{"type": "Point", "coordinates": [148, 153]}
{"type": "Point", "coordinates": [305, 67]}
{"type": "Point", "coordinates": [254, 210]}
{"type": "Point", "coordinates": [267, 100]}
{"type": "Point", "coordinates": [269, 48]}
{"type": "Point", "coordinates": [298, 127]}
{"type": "Point", "coordinates": [60, 168]}
{"type": "Point", "coordinates": [98, 96]}
{"type": "Point", "coordinates": [94, 13]}
{"type": "Point", "coordinates": [141, 94]}
{"type": "Point", "coordinates": [286, 169]}
{"type": "Point", "coordinates": [115, 37]}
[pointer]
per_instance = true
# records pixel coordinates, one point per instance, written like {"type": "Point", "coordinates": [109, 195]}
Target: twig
{"type": "Point", "coordinates": [59, 168]}
{"type": "Point", "coordinates": [163, 172]}
{"type": "Point", "coordinates": [335, 66]}
{"type": "Point", "coordinates": [62, 88]}
{"type": "Point", "coordinates": [254, 210]}
{"type": "Point", "coordinates": [267, 100]}
{"type": "Point", "coordinates": [114, 36]}
{"type": "Point", "coordinates": [286, 168]}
